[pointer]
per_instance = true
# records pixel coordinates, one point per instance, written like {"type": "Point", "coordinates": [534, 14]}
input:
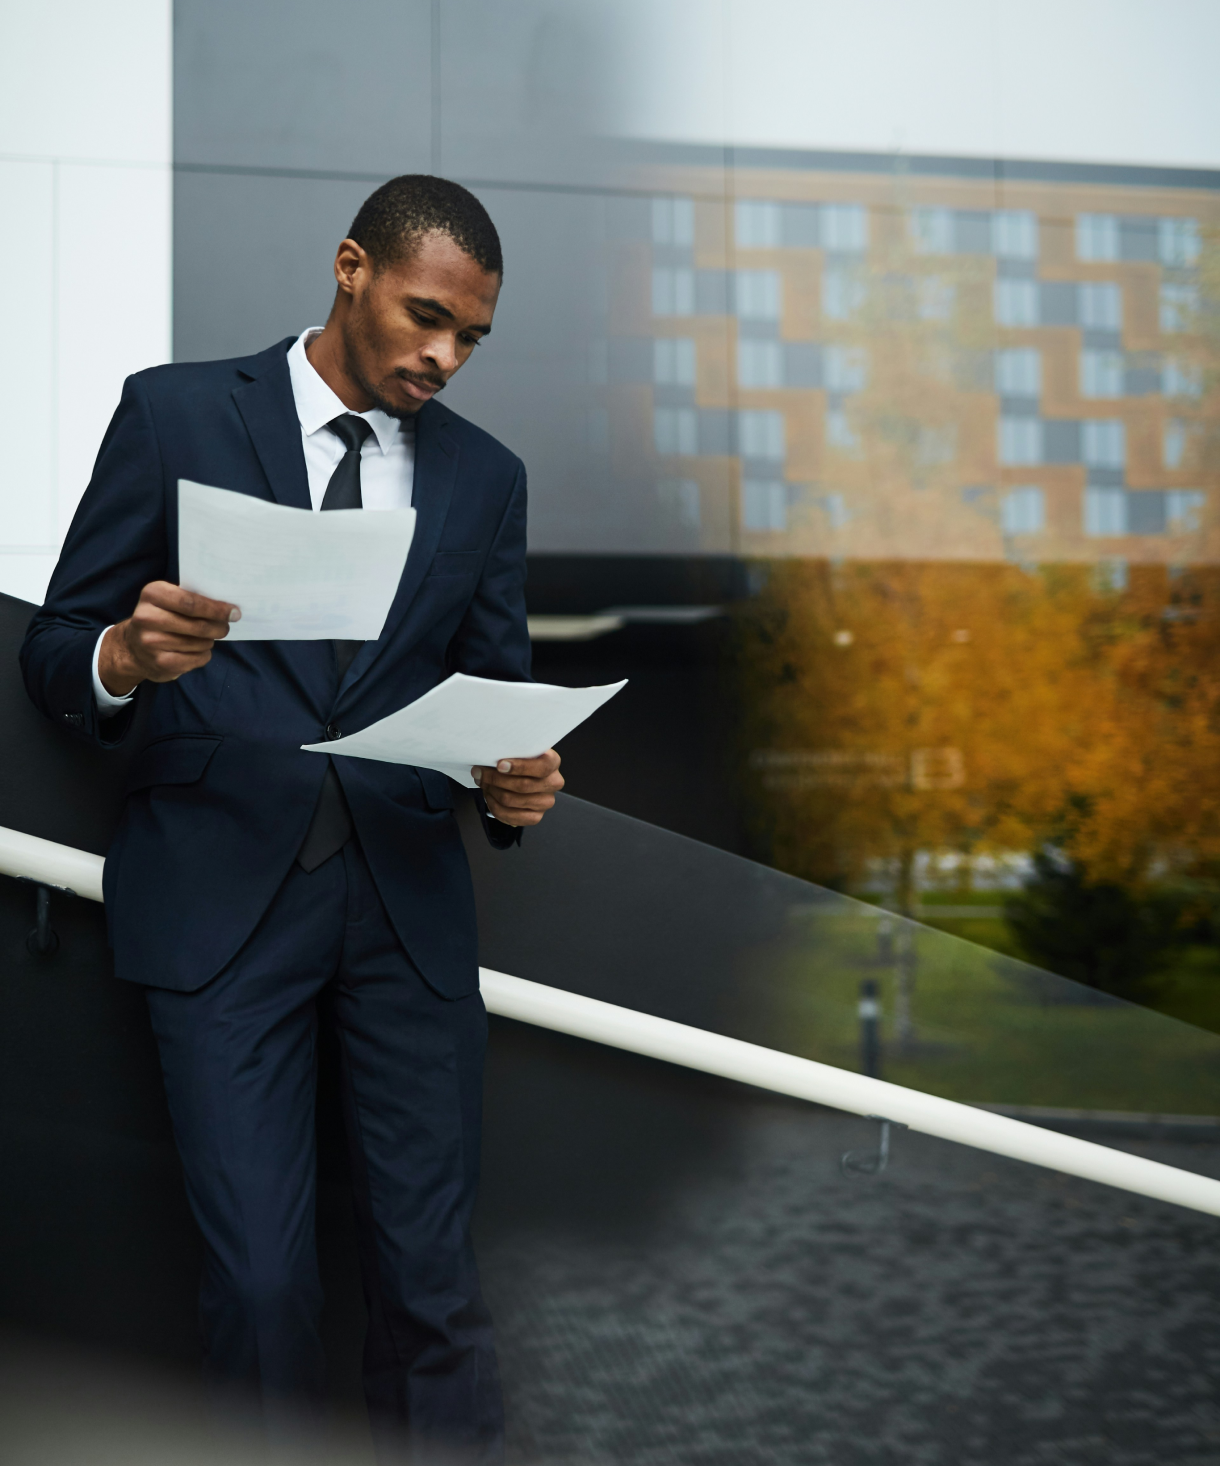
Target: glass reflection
{"type": "Point", "coordinates": [703, 937]}
{"type": "Point", "coordinates": [964, 432]}
{"type": "Point", "coordinates": [1041, 744]}
{"type": "Point", "coordinates": [925, 367]}
{"type": "Point", "coordinates": [922, 398]}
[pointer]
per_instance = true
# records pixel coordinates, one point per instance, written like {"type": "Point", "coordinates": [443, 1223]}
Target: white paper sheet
{"type": "Point", "coordinates": [297, 575]}
{"type": "Point", "coordinates": [473, 720]}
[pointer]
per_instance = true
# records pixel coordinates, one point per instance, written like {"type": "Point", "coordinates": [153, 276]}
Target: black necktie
{"type": "Point", "coordinates": [331, 826]}
{"type": "Point", "coordinates": [343, 492]}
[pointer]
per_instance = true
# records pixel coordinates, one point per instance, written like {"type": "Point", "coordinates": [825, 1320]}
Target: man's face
{"type": "Point", "coordinates": [409, 327]}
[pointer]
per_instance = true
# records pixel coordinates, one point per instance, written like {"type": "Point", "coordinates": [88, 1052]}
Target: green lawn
{"type": "Point", "coordinates": [988, 1030]}
{"type": "Point", "coordinates": [1190, 988]}
{"type": "Point", "coordinates": [1187, 987]}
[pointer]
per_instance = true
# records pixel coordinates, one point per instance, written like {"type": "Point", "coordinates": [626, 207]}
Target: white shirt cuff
{"type": "Point", "coordinates": [107, 703]}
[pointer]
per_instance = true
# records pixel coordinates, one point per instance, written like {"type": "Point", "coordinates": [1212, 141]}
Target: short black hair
{"type": "Point", "coordinates": [393, 220]}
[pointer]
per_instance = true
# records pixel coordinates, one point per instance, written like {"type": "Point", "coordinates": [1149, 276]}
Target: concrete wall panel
{"type": "Point", "coordinates": [304, 84]}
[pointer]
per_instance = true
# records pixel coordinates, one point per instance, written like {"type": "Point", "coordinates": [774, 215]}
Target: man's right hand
{"type": "Point", "coordinates": [170, 632]}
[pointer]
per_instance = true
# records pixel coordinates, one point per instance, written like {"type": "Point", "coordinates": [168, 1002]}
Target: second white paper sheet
{"type": "Point", "coordinates": [473, 720]}
{"type": "Point", "coordinates": [297, 575]}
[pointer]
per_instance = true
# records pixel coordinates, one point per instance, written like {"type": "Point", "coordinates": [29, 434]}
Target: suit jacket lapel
{"type": "Point", "coordinates": [436, 459]}
{"type": "Point", "coordinates": [269, 411]}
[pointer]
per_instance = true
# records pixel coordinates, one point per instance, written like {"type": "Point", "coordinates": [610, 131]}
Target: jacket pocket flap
{"type": "Point", "coordinates": [180, 759]}
{"type": "Point", "coordinates": [438, 791]}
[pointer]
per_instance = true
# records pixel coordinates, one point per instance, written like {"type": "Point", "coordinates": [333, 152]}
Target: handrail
{"type": "Point", "coordinates": [43, 861]}
{"type": "Point", "coordinates": [30, 859]}
{"type": "Point", "coordinates": [731, 1058]}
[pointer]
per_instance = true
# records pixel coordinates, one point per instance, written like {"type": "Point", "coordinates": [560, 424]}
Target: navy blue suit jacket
{"type": "Point", "coordinates": [221, 795]}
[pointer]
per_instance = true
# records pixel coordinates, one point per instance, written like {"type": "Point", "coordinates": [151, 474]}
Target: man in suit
{"type": "Point", "coordinates": [256, 890]}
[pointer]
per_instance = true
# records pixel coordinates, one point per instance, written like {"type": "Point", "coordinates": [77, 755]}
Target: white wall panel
{"type": "Point", "coordinates": [85, 195]}
{"type": "Point", "coordinates": [83, 80]}
{"type": "Point", "coordinates": [114, 303]}
{"type": "Point", "coordinates": [27, 365]}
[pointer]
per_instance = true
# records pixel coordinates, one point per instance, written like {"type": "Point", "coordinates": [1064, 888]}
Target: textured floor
{"type": "Point", "coordinates": [958, 1309]}
{"type": "Point", "coordinates": [764, 1310]}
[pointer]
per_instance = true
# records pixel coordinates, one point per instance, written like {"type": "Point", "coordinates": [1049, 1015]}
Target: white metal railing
{"type": "Point", "coordinates": [29, 858]}
{"type": "Point", "coordinates": [713, 1053]}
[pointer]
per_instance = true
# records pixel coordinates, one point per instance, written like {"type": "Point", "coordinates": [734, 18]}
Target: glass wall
{"type": "Point", "coordinates": [948, 413]}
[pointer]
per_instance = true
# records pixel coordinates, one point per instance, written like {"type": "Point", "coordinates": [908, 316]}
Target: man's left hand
{"type": "Point", "coordinates": [519, 791]}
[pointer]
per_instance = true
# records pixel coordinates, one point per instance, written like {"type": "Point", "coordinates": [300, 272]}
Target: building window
{"type": "Point", "coordinates": [1179, 303]}
{"type": "Point", "coordinates": [758, 295]}
{"type": "Point", "coordinates": [680, 498]}
{"type": "Point", "coordinates": [757, 224]}
{"type": "Point", "coordinates": [1174, 443]}
{"type": "Point", "coordinates": [1096, 237]}
{"type": "Point", "coordinates": [1184, 510]}
{"type": "Point", "coordinates": [1020, 440]}
{"type": "Point", "coordinates": [932, 231]}
{"type": "Point", "coordinates": [1105, 511]}
{"type": "Point", "coordinates": [673, 361]}
{"type": "Point", "coordinates": [834, 506]}
{"type": "Point", "coordinates": [764, 505]}
{"type": "Point", "coordinates": [760, 434]}
{"type": "Point", "coordinates": [760, 364]}
{"type": "Point", "coordinates": [1023, 510]}
{"type": "Point", "coordinates": [1146, 511]}
{"type": "Point", "coordinates": [844, 227]}
{"type": "Point", "coordinates": [1101, 374]}
{"type": "Point", "coordinates": [673, 292]}
{"type": "Point", "coordinates": [1111, 574]}
{"type": "Point", "coordinates": [1018, 372]}
{"type": "Point", "coordinates": [934, 298]}
{"type": "Point", "coordinates": [842, 293]}
{"type": "Point", "coordinates": [1180, 379]}
{"type": "Point", "coordinates": [1016, 302]}
{"type": "Point", "coordinates": [1100, 306]}
{"type": "Point", "coordinates": [1178, 241]}
{"type": "Point", "coordinates": [1103, 443]}
{"type": "Point", "coordinates": [1014, 234]}
{"type": "Point", "coordinates": [675, 430]}
{"type": "Point", "coordinates": [844, 369]}
{"type": "Point", "coordinates": [673, 221]}
{"type": "Point", "coordinates": [839, 432]}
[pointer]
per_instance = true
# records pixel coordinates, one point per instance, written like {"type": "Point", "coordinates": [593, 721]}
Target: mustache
{"type": "Point", "coordinates": [422, 379]}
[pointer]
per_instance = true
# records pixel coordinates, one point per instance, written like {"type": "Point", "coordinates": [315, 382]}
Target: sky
{"type": "Point", "coordinates": [1121, 81]}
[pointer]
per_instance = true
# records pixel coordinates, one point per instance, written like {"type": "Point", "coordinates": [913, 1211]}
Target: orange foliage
{"type": "Point", "coordinates": [902, 707]}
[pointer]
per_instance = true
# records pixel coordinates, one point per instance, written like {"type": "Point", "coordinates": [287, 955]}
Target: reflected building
{"type": "Point", "coordinates": [888, 390]}
{"type": "Point", "coordinates": [881, 358]}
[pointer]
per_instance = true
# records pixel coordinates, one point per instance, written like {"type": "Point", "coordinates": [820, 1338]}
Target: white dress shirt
{"type": "Point", "coordinates": [387, 459]}
{"type": "Point", "coordinates": [387, 463]}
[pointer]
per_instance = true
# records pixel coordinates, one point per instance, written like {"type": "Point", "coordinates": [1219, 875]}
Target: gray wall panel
{"type": "Point", "coordinates": [252, 258]}
{"type": "Point", "coordinates": [268, 91]}
{"type": "Point", "coordinates": [526, 91]}
{"type": "Point", "coordinates": [304, 84]}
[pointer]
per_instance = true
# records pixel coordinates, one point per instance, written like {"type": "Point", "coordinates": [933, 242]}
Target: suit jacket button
{"type": "Point", "coordinates": [333, 731]}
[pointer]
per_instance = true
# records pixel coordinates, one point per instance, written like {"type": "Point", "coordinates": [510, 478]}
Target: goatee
{"type": "Point", "coordinates": [383, 404]}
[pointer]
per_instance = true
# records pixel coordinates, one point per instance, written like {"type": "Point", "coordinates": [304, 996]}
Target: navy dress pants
{"type": "Point", "coordinates": [239, 1058]}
